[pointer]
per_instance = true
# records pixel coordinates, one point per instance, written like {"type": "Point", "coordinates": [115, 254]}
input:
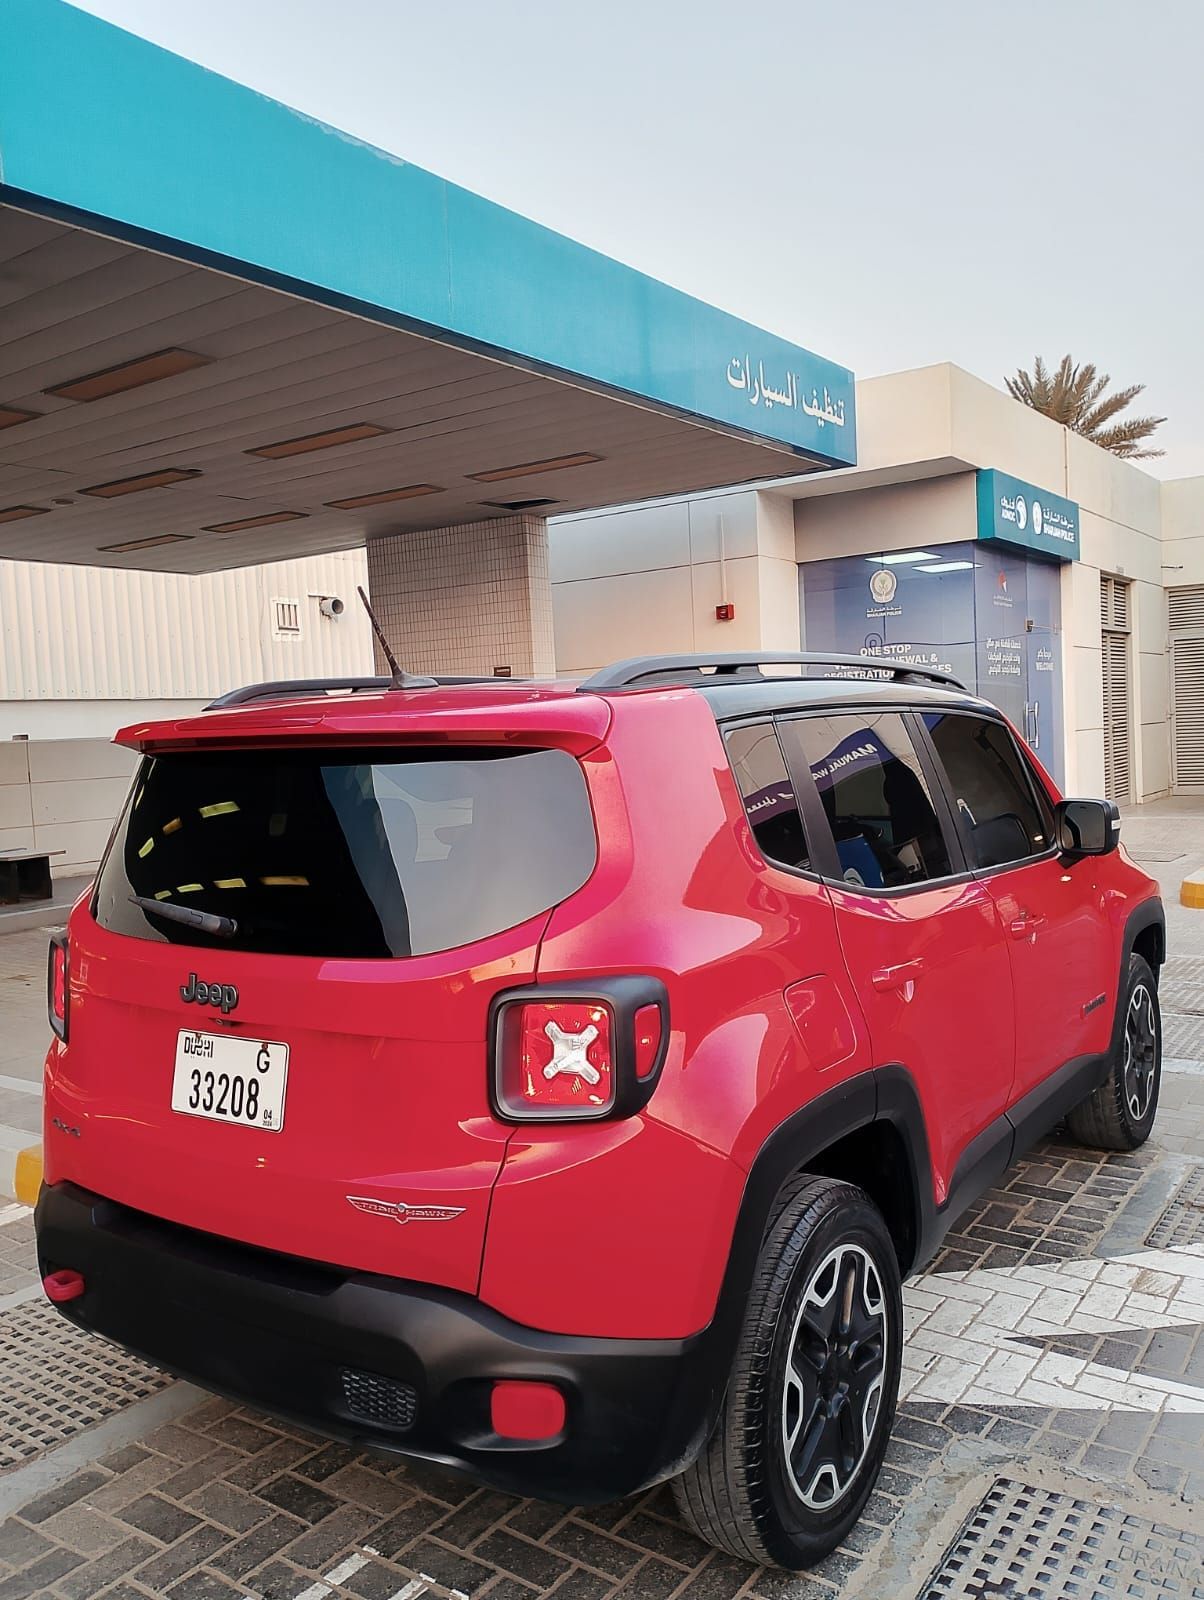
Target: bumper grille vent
{"type": "Point", "coordinates": [386, 1402]}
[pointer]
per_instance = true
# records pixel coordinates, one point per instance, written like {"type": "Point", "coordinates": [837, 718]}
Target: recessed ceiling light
{"type": "Point", "coordinates": [18, 513]}
{"type": "Point", "coordinates": [947, 566]}
{"type": "Point", "coordinates": [900, 556]}
{"type": "Point", "coordinates": [129, 375]}
{"type": "Point", "coordinates": [526, 469]}
{"type": "Point", "coordinates": [10, 416]}
{"type": "Point", "coordinates": [146, 544]}
{"type": "Point", "coordinates": [144, 480]}
{"type": "Point", "coordinates": [265, 521]}
{"type": "Point", "coordinates": [318, 441]}
{"type": "Point", "coordinates": [410, 492]}
{"type": "Point", "coordinates": [519, 505]}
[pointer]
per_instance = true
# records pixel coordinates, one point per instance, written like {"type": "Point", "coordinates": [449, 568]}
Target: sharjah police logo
{"type": "Point", "coordinates": [883, 584]}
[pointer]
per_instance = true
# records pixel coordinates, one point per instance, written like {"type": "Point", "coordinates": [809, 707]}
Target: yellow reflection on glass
{"type": "Point", "coordinates": [220, 808]}
{"type": "Point", "coordinates": [145, 850]}
{"type": "Point", "coordinates": [283, 882]}
{"type": "Point", "coordinates": [173, 826]}
{"type": "Point", "coordinates": [163, 894]}
{"type": "Point", "coordinates": [190, 888]}
{"type": "Point", "coordinates": [229, 883]}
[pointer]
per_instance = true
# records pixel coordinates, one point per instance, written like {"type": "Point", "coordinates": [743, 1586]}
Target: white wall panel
{"type": "Point", "coordinates": [88, 633]}
{"type": "Point", "coordinates": [68, 760]}
{"type": "Point", "coordinates": [605, 619]}
{"type": "Point", "coordinates": [78, 800]}
{"type": "Point", "coordinates": [16, 811]}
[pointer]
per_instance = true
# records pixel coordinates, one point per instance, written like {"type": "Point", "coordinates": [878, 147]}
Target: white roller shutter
{"type": "Point", "coordinates": [1185, 609]}
{"type": "Point", "coordinates": [1118, 715]}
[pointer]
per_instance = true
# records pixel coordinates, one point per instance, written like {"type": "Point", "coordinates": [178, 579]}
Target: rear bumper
{"type": "Point", "coordinates": [403, 1367]}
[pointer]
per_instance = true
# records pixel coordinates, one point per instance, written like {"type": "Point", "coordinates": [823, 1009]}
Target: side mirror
{"type": "Point", "coordinates": [1087, 827]}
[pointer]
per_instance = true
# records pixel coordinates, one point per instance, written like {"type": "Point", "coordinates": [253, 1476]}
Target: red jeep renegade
{"type": "Point", "coordinates": [555, 1081]}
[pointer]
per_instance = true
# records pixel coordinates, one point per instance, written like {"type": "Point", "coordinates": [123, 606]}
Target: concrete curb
{"type": "Point", "coordinates": [1191, 890]}
{"type": "Point", "coordinates": [21, 1174]}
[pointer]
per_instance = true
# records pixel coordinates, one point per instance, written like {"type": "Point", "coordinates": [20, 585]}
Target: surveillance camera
{"type": "Point", "coordinates": [330, 605]}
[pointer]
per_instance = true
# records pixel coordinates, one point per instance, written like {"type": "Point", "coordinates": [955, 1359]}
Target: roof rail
{"type": "Point", "coordinates": [282, 688]}
{"type": "Point", "coordinates": [644, 671]}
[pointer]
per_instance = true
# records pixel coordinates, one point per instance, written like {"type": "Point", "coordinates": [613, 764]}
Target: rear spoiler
{"type": "Point", "coordinates": [517, 715]}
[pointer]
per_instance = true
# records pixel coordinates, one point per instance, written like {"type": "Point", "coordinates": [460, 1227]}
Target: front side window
{"type": "Point", "coordinates": [1000, 815]}
{"type": "Point", "coordinates": [883, 821]}
{"type": "Point", "coordinates": [354, 853]}
{"type": "Point", "coordinates": [769, 798]}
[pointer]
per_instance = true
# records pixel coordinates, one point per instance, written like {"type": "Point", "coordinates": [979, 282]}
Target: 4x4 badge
{"type": "Point", "coordinates": [400, 1211]}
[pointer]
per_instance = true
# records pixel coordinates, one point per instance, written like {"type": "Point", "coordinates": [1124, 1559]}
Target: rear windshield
{"type": "Point", "coordinates": [348, 853]}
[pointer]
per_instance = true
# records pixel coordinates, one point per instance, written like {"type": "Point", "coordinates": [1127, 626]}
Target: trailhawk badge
{"type": "Point", "coordinates": [400, 1211]}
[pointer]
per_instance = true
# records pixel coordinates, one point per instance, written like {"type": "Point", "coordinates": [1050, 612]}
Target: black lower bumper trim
{"type": "Point", "coordinates": [282, 1334]}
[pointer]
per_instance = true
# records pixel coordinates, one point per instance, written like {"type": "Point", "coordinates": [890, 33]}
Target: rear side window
{"type": "Point", "coordinates": [876, 798]}
{"type": "Point", "coordinates": [348, 853]}
{"type": "Point", "coordinates": [769, 799]}
{"type": "Point", "coordinates": [1001, 816]}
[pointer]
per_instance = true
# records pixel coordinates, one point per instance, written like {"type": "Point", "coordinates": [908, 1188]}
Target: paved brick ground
{"type": "Point", "coordinates": [1050, 1439]}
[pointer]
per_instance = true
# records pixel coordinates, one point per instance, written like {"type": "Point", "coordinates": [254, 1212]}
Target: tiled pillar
{"type": "Point", "coordinates": [472, 598]}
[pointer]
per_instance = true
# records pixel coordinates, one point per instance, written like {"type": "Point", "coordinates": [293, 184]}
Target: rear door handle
{"type": "Point", "coordinates": [902, 976]}
{"type": "Point", "coordinates": [1025, 925]}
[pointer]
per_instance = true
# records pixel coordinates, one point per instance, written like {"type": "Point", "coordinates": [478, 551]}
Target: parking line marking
{"type": "Point", "coordinates": [347, 1568]}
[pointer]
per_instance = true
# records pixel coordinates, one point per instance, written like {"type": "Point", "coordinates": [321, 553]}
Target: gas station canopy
{"type": "Point", "coordinates": [232, 334]}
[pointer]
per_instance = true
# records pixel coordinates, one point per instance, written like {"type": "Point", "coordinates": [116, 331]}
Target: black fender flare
{"type": "Point", "coordinates": [1144, 916]}
{"type": "Point", "coordinates": [879, 1094]}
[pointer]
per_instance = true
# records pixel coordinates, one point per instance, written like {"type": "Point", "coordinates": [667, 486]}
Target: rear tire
{"type": "Point", "coordinates": [1120, 1113]}
{"type": "Point", "coordinates": [812, 1392]}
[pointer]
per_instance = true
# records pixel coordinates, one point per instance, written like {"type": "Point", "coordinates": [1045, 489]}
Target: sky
{"type": "Point", "coordinates": [888, 182]}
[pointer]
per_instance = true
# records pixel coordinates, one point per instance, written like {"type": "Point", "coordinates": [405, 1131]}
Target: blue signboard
{"type": "Point", "coordinates": [987, 613]}
{"type": "Point", "coordinates": [1011, 511]}
{"type": "Point", "coordinates": [182, 159]}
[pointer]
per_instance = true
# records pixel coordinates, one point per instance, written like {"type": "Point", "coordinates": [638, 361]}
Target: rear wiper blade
{"type": "Point", "coordinates": [203, 921]}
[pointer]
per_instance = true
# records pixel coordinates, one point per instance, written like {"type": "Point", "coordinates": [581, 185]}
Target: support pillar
{"type": "Point", "coordinates": [473, 598]}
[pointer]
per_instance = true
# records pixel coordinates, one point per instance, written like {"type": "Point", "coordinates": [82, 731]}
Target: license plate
{"type": "Point", "coordinates": [230, 1079]}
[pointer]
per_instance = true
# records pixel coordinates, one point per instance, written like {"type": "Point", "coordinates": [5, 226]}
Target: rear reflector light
{"type": "Point", "coordinates": [64, 1285]}
{"type": "Point", "coordinates": [647, 1040]}
{"type": "Point", "coordinates": [526, 1410]}
{"type": "Point", "coordinates": [56, 983]}
{"type": "Point", "coordinates": [557, 1059]}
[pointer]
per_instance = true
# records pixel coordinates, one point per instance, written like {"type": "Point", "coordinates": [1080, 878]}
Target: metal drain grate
{"type": "Point", "coordinates": [384, 1401]}
{"type": "Point", "coordinates": [1022, 1543]}
{"type": "Point", "coordinates": [1182, 1222]}
{"type": "Point", "coordinates": [55, 1381]}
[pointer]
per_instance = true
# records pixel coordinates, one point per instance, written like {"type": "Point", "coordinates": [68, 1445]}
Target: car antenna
{"type": "Point", "coordinates": [399, 677]}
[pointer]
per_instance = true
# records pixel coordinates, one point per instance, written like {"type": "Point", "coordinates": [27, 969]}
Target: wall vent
{"type": "Point", "coordinates": [1114, 603]}
{"type": "Point", "coordinates": [286, 619]}
{"type": "Point", "coordinates": [1185, 608]}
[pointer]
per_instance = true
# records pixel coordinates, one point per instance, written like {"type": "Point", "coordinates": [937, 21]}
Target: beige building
{"type": "Point", "coordinates": [650, 577]}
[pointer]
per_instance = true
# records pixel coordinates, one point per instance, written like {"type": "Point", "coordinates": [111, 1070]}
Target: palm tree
{"type": "Point", "coordinates": [1073, 395]}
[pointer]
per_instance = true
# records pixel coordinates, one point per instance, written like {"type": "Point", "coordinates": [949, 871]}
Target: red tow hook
{"type": "Point", "coordinates": [64, 1285]}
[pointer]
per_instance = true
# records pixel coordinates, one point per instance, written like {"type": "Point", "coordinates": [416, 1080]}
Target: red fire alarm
{"type": "Point", "coordinates": [726, 612]}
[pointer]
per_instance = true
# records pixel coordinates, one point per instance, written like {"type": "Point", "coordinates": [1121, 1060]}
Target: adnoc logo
{"type": "Point", "coordinates": [883, 584]}
{"type": "Point", "coordinates": [1023, 514]}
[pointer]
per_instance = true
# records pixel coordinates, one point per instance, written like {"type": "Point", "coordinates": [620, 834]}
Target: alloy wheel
{"type": "Point", "coordinates": [836, 1362]}
{"type": "Point", "coordinates": [1140, 1052]}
